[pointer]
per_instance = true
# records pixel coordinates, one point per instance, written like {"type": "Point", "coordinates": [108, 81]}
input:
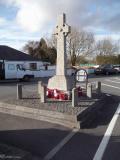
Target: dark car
{"type": "Point", "coordinates": [106, 69]}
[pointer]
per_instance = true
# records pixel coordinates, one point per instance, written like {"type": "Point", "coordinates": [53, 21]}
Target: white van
{"type": "Point", "coordinates": [19, 70]}
{"type": "Point", "coordinates": [24, 70]}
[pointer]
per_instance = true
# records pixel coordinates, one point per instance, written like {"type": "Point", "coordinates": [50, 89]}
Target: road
{"type": "Point", "coordinates": [48, 140]}
{"type": "Point", "coordinates": [110, 84]}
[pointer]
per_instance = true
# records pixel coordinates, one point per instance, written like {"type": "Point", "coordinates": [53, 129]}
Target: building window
{"type": "Point", "coordinates": [11, 67]}
{"type": "Point", "coordinates": [33, 66]}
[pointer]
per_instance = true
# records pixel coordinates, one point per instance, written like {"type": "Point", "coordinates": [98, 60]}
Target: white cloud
{"type": "Point", "coordinates": [36, 18]}
{"type": "Point", "coordinates": [114, 37]}
{"type": "Point", "coordinates": [31, 16]}
{"type": "Point", "coordinates": [35, 15]}
{"type": "Point", "coordinates": [3, 21]}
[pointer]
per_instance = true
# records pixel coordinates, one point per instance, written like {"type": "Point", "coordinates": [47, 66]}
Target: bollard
{"type": "Point", "coordinates": [19, 91]}
{"type": "Point", "coordinates": [89, 90]}
{"type": "Point", "coordinates": [43, 94]}
{"type": "Point", "coordinates": [74, 97]}
{"type": "Point", "coordinates": [98, 87]}
{"type": "Point", "coordinates": [39, 87]}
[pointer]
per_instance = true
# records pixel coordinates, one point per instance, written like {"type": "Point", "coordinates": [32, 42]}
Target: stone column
{"type": "Point", "coordinates": [98, 87]}
{"type": "Point", "coordinates": [61, 80]}
{"type": "Point", "coordinates": [43, 94]}
{"type": "Point", "coordinates": [40, 83]}
{"type": "Point", "coordinates": [89, 90]}
{"type": "Point", "coordinates": [19, 91]}
{"type": "Point", "coordinates": [61, 32]}
{"type": "Point", "coordinates": [74, 97]}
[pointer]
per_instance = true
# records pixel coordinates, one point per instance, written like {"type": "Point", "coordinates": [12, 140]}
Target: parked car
{"type": "Point", "coordinates": [106, 69]}
{"type": "Point", "coordinates": [117, 67]}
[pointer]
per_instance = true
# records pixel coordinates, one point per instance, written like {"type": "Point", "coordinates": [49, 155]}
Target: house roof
{"type": "Point", "coordinates": [8, 53]}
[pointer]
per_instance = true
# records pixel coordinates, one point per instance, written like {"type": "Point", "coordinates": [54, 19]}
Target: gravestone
{"type": "Point", "coordinates": [61, 81]}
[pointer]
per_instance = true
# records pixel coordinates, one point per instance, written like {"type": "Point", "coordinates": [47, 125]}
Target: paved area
{"type": "Point", "coordinates": [33, 136]}
{"type": "Point", "coordinates": [40, 138]}
{"type": "Point", "coordinates": [110, 84]}
{"type": "Point", "coordinates": [85, 143]}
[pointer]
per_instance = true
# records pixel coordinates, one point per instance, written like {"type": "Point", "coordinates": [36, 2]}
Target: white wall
{"type": "Point", "coordinates": [52, 71]}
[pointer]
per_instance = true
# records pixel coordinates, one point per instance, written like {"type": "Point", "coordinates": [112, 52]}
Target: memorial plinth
{"type": "Point", "coordinates": [64, 83]}
{"type": "Point", "coordinates": [61, 81]}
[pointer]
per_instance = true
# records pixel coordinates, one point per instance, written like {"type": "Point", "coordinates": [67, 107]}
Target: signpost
{"type": "Point", "coordinates": [81, 76]}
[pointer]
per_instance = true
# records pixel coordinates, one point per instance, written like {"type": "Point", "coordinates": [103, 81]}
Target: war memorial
{"type": "Point", "coordinates": [59, 101]}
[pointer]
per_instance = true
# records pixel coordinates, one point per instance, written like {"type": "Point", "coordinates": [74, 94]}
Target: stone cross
{"type": "Point", "coordinates": [61, 32]}
{"type": "Point", "coordinates": [61, 80]}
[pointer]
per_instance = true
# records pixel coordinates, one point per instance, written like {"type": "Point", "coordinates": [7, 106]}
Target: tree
{"type": "Point", "coordinates": [41, 50]}
{"type": "Point", "coordinates": [52, 52]}
{"type": "Point", "coordinates": [82, 60]}
{"type": "Point", "coordinates": [79, 43]}
{"type": "Point", "coordinates": [106, 47]}
{"type": "Point", "coordinates": [52, 41]}
{"type": "Point", "coordinates": [30, 47]}
{"type": "Point", "coordinates": [107, 59]}
{"type": "Point", "coordinates": [106, 51]}
{"type": "Point", "coordinates": [119, 59]}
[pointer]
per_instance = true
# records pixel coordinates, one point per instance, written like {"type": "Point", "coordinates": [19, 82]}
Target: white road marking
{"type": "Point", "coordinates": [108, 95]}
{"type": "Point", "coordinates": [112, 81]}
{"type": "Point", "coordinates": [106, 138]}
{"type": "Point", "coordinates": [60, 145]}
{"type": "Point", "coordinates": [103, 84]}
{"type": "Point", "coordinates": [116, 78]}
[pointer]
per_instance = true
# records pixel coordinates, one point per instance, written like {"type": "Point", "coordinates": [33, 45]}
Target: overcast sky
{"type": "Point", "coordinates": [23, 20]}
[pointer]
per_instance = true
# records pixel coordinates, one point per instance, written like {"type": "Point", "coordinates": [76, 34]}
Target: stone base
{"type": "Point", "coordinates": [65, 83]}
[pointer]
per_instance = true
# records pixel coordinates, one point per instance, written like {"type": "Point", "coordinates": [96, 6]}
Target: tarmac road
{"type": "Point", "coordinates": [44, 139]}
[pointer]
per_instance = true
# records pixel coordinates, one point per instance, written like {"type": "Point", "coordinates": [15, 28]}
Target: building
{"type": "Point", "coordinates": [15, 64]}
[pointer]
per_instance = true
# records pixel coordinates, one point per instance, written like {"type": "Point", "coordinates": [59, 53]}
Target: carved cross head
{"type": "Point", "coordinates": [62, 29]}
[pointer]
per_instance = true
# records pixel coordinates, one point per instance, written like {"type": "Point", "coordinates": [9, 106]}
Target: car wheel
{"type": "Point", "coordinates": [26, 78]}
{"type": "Point", "coordinates": [116, 72]}
{"type": "Point", "coordinates": [96, 74]}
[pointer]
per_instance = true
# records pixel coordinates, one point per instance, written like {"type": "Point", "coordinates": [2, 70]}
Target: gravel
{"type": "Point", "coordinates": [33, 101]}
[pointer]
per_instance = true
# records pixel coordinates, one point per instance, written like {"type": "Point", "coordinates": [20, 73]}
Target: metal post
{"type": "Point", "coordinates": [19, 91]}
